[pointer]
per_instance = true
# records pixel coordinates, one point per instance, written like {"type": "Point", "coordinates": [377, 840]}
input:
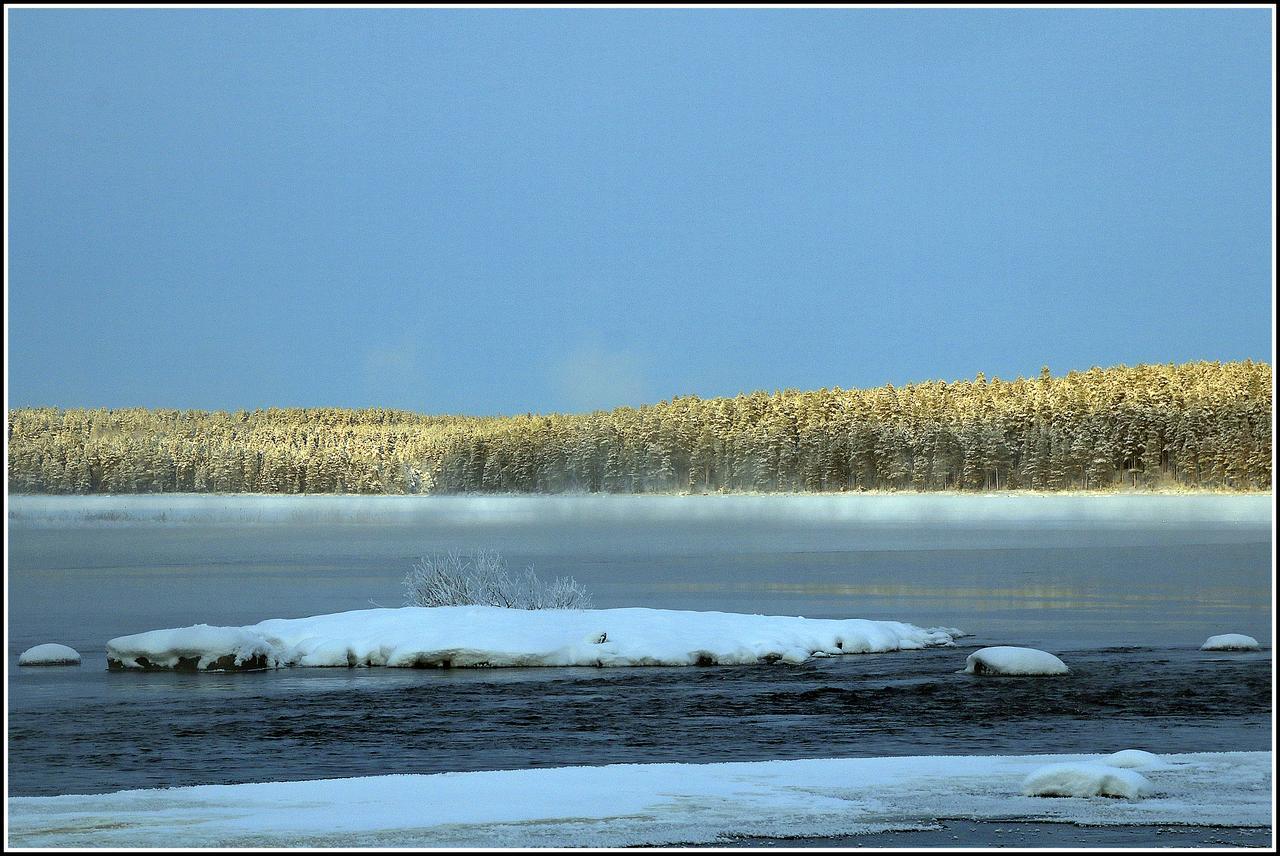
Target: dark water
{"type": "Point", "coordinates": [86, 730]}
{"type": "Point", "coordinates": [988, 834]}
{"type": "Point", "coordinates": [1125, 597]}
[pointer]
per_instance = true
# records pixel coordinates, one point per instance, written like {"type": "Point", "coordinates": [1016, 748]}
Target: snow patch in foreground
{"type": "Point", "coordinates": [1086, 780]}
{"type": "Point", "coordinates": [452, 636]}
{"type": "Point", "coordinates": [636, 804]}
{"type": "Point", "coordinates": [1011, 660]}
{"type": "Point", "coordinates": [1230, 642]}
{"type": "Point", "coordinates": [49, 654]}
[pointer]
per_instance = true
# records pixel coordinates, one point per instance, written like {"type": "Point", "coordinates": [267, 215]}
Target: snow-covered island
{"type": "Point", "coordinates": [459, 636]}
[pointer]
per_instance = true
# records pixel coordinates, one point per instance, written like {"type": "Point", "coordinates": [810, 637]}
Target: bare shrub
{"type": "Point", "coordinates": [480, 578]}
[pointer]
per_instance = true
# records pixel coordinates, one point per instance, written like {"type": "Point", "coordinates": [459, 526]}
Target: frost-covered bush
{"type": "Point", "coordinates": [480, 578]}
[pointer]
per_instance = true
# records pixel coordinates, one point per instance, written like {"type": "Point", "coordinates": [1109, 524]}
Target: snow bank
{"type": "Point", "coordinates": [1086, 780]}
{"type": "Point", "coordinates": [1230, 642]}
{"type": "Point", "coordinates": [49, 654]}
{"type": "Point", "coordinates": [491, 636]}
{"type": "Point", "coordinates": [636, 804]}
{"type": "Point", "coordinates": [1010, 660]}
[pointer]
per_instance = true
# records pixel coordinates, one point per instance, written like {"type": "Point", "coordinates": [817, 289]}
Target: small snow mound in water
{"type": "Point", "coordinates": [1086, 780]}
{"type": "Point", "coordinates": [1136, 759]}
{"type": "Point", "coordinates": [1011, 660]}
{"type": "Point", "coordinates": [49, 654]}
{"type": "Point", "coordinates": [1230, 642]}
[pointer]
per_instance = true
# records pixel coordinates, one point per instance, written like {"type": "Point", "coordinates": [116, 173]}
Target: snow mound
{"type": "Point", "coordinates": [1230, 642]}
{"type": "Point", "coordinates": [49, 654]}
{"type": "Point", "coordinates": [1136, 759]}
{"type": "Point", "coordinates": [1010, 660]}
{"type": "Point", "coordinates": [451, 636]}
{"type": "Point", "coordinates": [1086, 780]}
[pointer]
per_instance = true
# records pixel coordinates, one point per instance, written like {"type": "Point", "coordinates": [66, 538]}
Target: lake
{"type": "Point", "coordinates": [1123, 588]}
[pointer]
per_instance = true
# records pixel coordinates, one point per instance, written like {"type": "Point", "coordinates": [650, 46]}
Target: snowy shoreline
{"type": "Point", "coordinates": [486, 636]}
{"type": "Point", "coordinates": [638, 804]}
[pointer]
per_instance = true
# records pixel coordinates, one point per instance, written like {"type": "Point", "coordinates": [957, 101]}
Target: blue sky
{"type": "Point", "coordinates": [489, 211]}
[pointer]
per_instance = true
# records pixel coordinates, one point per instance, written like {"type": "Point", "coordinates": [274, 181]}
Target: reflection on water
{"type": "Point", "coordinates": [975, 598]}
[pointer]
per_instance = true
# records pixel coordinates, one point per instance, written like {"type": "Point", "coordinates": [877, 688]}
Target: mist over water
{"type": "Point", "coordinates": [484, 511]}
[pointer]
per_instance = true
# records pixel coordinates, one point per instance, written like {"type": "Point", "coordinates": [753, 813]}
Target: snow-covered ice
{"type": "Point", "coordinates": [1230, 642]}
{"type": "Point", "coordinates": [1135, 759]}
{"type": "Point", "coordinates": [1011, 660]}
{"type": "Point", "coordinates": [1086, 780]}
{"type": "Point", "coordinates": [49, 654]}
{"type": "Point", "coordinates": [637, 804]}
{"type": "Point", "coordinates": [492, 636]}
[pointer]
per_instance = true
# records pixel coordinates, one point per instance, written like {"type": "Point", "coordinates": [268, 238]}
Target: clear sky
{"type": "Point", "coordinates": [505, 211]}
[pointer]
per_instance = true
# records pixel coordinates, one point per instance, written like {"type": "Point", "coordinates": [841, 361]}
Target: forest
{"type": "Point", "coordinates": [1202, 425]}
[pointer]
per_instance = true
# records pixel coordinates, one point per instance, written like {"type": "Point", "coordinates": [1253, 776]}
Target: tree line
{"type": "Point", "coordinates": [1200, 425]}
